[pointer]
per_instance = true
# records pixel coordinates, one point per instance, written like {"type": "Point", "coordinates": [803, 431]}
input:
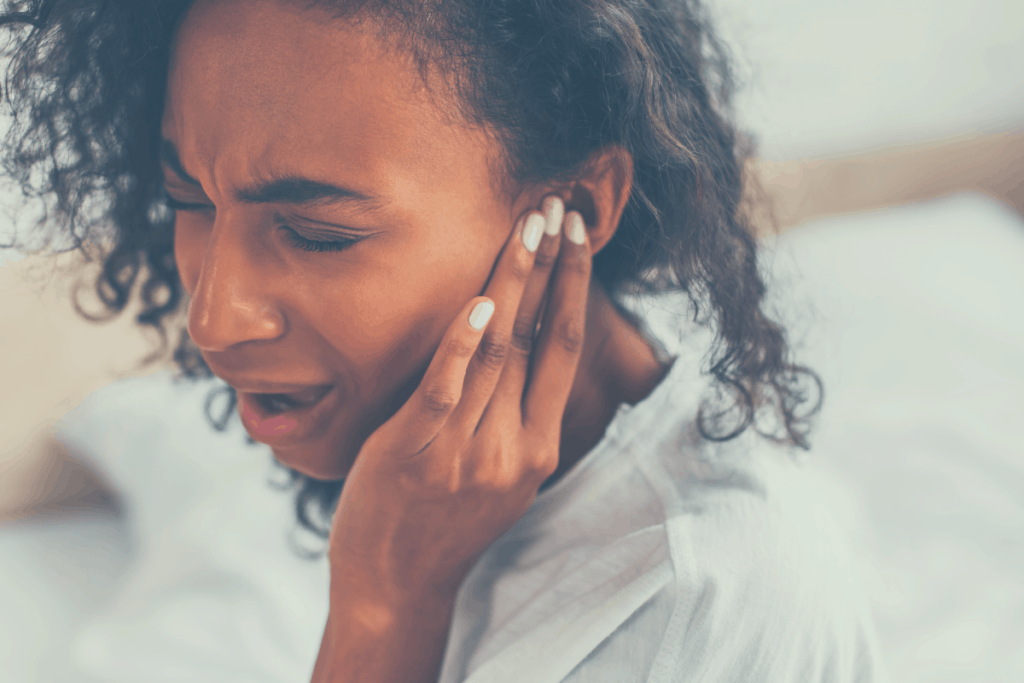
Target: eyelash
{"type": "Point", "coordinates": [297, 240]}
{"type": "Point", "coordinates": [316, 246]}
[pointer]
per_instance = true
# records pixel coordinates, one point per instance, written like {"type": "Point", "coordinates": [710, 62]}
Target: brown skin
{"type": "Point", "coordinates": [334, 105]}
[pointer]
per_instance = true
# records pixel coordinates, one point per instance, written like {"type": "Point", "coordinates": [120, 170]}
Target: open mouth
{"type": "Point", "coordinates": [275, 404]}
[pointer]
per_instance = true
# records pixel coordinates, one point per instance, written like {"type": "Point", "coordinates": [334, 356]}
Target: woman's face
{"type": "Point", "coordinates": [293, 133]}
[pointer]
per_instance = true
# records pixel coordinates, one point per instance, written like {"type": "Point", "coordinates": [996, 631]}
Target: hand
{"type": "Point", "coordinates": [463, 458]}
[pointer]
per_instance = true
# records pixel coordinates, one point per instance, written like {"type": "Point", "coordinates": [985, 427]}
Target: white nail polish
{"type": "Point", "coordinates": [575, 229]}
{"type": "Point", "coordinates": [481, 314]}
{"type": "Point", "coordinates": [554, 211]}
{"type": "Point", "coordinates": [532, 232]}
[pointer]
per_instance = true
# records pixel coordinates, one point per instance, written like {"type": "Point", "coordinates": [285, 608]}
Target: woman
{"type": "Point", "coordinates": [405, 228]}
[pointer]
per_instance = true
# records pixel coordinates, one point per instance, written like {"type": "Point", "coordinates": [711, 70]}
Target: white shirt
{"type": "Point", "coordinates": [659, 557]}
{"type": "Point", "coordinates": [665, 558]}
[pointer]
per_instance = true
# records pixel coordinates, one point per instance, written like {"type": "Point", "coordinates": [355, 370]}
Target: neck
{"type": "Point", "coordinates": [617, 365]}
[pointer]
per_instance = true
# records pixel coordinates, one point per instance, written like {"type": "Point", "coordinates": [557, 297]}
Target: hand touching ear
{"type": "Point", "coordinates": [462, 460]}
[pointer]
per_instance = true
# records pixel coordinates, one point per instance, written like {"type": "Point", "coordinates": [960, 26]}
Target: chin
{"type": "Point", "coordinates": [314, 461]}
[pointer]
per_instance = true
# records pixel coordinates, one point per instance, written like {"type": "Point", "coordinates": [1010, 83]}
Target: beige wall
{"type": "Point", "coordinates": [801, 190]}
{"type": "Point", "coordinates": [50, 358]}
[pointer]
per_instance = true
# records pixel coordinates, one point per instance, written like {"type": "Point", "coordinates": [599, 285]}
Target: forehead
{"type": "Point", "coordinates": [260, 83]}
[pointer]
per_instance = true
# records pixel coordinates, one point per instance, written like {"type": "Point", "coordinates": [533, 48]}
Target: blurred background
{"type": "Point", "coordinates": [891, 150]}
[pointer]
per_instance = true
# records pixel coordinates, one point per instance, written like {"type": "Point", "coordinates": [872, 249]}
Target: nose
{"type": "Point", "coordinates": [231, 303]}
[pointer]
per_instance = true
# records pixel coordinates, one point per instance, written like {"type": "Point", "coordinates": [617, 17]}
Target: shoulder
{"type": "Point", "coordinates": [764, 587]}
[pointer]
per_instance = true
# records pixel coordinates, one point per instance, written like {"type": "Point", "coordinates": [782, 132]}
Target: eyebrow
{"type": "Point", "coordinates": [286, 189]}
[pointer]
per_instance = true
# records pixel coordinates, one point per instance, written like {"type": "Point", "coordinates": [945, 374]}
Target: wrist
{"type": "Point", "coordinates": [384, 639]}
{"type": "Point", "coordinates": [375, 590]}
{"type": "Point", "coordinates": [376, 608]}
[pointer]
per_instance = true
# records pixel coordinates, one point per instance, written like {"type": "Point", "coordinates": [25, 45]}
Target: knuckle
{"type": "Point", "coordinates": [522, 335]}
{"type": "Point", "coordinates": [521, 267]}
{"type": "Point", "coordinates": [545, 258]}
{"type": "Point", "coordinates": [543, 463]}
{"type": "Point", "coordinates": [460, 348]}
{"type": "Point", "coordinates": [492, 352]}
{"type": "Point", "coordinates": [569, 335]}
{"type": "Point", "coordinates": [438, 401]}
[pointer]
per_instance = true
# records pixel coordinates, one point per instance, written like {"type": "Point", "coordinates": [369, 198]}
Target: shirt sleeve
{"type": "Point", "coordinates": [764, 590]}
{"type": "Point", "coordinates": [767, 589]}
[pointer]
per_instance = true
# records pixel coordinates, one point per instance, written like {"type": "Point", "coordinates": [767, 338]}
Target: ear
{"type": "Point", "coordinates": [600, 193]}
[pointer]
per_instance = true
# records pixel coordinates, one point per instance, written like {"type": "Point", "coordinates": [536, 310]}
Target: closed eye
{"type": "Point", "coordinates": [297, 240]}
{"type": "Point", "coordinates": [307, 244]}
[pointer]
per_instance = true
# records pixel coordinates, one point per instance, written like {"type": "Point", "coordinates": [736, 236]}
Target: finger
{"type": "Point", "coordinates": [506, 290]}
{"type": "Point", "coordinates": [514, 375]}
{"type": "Point", "coordinates": [419, 420]}
{"type": "Point", "coordinates": [562, 330]}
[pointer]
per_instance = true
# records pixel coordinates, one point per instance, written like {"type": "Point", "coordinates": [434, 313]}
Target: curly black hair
{"type": "Point", "coordinates": [556, 80]}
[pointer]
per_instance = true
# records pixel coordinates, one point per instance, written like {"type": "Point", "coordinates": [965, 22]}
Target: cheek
{"type": "Point", "coordinates": [381, 324]}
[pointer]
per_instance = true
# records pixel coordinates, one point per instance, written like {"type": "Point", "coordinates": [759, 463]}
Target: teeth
{"type": "Point", "coordinates": [278, 403]}
{"type": "Point", "coordinates": [307, 396]}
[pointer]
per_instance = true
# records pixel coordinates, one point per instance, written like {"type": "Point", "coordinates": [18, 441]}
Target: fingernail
{"type": "Point", "coordinates": [554, 210]}
{"type": "Point", "coordinates": [481, 314]}
{"type": "Point", "coordinates": [575, 229]}
{"type": "Point", "coordinates": [532, 231]}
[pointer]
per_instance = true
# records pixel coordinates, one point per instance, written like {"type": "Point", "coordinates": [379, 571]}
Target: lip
{"type": "Point", "coordinates": [294, 424]}
{"type": "Point", "coordinates": [273, 387]}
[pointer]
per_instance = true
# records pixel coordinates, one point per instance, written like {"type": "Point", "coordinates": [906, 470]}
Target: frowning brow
{"type": "Point", "coordinates": [286, 189]}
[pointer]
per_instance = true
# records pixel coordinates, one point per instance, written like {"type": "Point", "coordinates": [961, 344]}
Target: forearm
{"type": "Point", "coordinates": [367, 640]}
